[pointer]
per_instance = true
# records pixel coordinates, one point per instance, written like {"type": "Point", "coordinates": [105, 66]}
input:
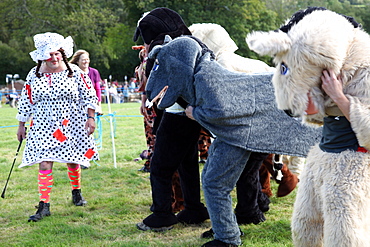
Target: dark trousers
{"type": "Point", "coordinates": [248, 187]}
{"type": "Point", "coordinates": [176, 148]}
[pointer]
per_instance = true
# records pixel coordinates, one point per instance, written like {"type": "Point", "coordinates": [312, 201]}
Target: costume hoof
{"type": "Point", "coordinates": [159, 221]}
{"type": "Point", "coordinates": [287, 185]}
{"type": "Point", "coordinates": [259, 217]}
{"type": "Point", "coordinates": [263, 202]}
{"type": "Point", "coordinates": [193, 216]}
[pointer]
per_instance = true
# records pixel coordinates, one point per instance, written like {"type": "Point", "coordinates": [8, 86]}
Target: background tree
{"type": "Point", "coordinates": [238, 17]}
{"type": "Point", "coordinates": [105, 28]}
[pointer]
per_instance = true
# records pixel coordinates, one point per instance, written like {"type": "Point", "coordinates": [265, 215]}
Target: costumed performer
{"type": "Point", "coordinates": [324, 76]}
{"type": "Point", "coordinates": [61, 101]}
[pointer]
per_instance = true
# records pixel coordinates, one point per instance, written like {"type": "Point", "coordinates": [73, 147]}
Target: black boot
{"type": "Point", "coordinates": [77, 198]}
{"type": "Point", "coordinates": [43, 209]}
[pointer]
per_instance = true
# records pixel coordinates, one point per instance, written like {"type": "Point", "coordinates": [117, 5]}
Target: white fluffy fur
{"type": "Point", "coordinates": [219, 41]}
{"type": "Point", "coordinates": [322, 40]}
{"type": "Point", "coordinates": [359, 123]}
{"type": "Point", "coordinates": [332, 204]}
{"type": "Point", "coordinates": [270, 43]}
{"type": "Point", "coordinates": [332, 207]}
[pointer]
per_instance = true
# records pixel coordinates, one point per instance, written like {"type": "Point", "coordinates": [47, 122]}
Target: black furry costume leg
{"type": "Point", "coordinates": [175, 149]}
{"type": "Point", "coordinates": [252, 202]}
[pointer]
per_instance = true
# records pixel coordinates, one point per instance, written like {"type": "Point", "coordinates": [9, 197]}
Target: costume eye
{"type": "Point", "coordinates": [284, 70]}
{"type": "Point", "coordinates": [156, 65]}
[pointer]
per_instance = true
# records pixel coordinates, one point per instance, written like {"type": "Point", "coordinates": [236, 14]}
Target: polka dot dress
{"type": "Point", "coordinates": [58, 106]}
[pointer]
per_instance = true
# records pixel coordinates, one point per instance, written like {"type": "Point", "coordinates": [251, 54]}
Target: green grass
{"type": "Point", "coordinates": [118, 198]}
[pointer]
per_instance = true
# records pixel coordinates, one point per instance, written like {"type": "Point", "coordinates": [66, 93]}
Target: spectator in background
{"type": "Point", "coordinates": [120, 93]}
{"type": "Point", "coordinates": [13, 98]}
{"type": "Point", "coordinates": [132, 86]}
{"type": "Point", "coordinates": [103, 91]}
{"type": "Point", "coordinates": [125, 92]}
{"type": "Point", "coordinates": [113, 94]}
{"type": "Point", "coordinates": [82, 59]}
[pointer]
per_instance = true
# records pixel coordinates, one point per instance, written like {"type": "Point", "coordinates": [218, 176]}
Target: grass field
{"type": "Point", "coordinates": [118, 198]}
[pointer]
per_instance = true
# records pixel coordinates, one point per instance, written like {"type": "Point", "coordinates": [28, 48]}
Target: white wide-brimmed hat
{"type": "Point", "coordinates": [50, 42]}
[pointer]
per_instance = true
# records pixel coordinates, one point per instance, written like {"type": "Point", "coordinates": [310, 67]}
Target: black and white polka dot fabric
{"type": "Point", "coordinates": [57, 105]}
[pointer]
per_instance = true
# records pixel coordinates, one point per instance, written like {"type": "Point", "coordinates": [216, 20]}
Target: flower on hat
{"type": "Point", "coordinates": [50, 42]}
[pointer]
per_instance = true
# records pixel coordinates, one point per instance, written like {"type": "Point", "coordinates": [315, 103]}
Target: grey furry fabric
{"type": "Point", "coordinates": [238, 108]}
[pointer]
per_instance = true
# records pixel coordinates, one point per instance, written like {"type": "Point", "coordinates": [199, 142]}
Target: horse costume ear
{"type": "Point", "coordinates": [167, 39]}
{"type": "Point", "coordinates": [157, 48]}
{"type": "Point", "coordinates": [269, 43]}
{"type": "Point", "coordinates": [153, 54]}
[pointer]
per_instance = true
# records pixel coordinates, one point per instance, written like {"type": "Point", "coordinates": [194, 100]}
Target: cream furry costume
{"type": "Point", "coordinates": [332, 207]}
{"type": "Point", "coordinates": [219, 41]}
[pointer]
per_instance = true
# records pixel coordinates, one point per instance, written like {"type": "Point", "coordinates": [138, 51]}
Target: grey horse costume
{"type": "Point", "coordinates": [238, 108]}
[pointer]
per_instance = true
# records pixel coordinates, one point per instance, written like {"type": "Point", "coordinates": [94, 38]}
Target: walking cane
{"type": "Point", "coordinates": [11, 169]}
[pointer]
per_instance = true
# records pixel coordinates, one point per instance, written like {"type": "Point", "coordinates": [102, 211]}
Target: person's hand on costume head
{"type": "Point", "coordinates": [189, 112]}
{"type": "Point", "coordinates": [332, 85]}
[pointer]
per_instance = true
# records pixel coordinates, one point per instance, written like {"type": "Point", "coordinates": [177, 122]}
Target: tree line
{"type": "Point", "coordinates": [105, 28]}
